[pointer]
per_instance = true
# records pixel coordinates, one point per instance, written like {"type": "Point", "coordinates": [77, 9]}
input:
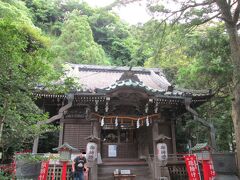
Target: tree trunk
{"type": "Point", "coordinates": [235, 53]}
{"type": "Point", "coordinates": [2, 119]}
{"type": "Point", "coordinates": [236, 120]}
{"type": "Point", "coordinates": [1, 129]}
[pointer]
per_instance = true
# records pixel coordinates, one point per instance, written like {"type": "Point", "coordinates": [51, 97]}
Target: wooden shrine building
{"type": "Point", "coordinates": [125, 111]}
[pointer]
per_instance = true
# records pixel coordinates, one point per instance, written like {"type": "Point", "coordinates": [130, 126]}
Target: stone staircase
{"type": "Point", "coordinates": [137, 167]}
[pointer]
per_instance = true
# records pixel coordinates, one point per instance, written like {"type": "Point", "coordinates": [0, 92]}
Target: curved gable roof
{"type": "Point", "coordinates": [92, 77]}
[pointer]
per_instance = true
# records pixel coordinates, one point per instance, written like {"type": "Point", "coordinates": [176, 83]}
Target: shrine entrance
{"type": "Point", "coordinates": [119, 142]}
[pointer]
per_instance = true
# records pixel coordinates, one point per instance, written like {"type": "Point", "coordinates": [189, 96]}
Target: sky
{"type": "Point", "coordinates": [133, 14]}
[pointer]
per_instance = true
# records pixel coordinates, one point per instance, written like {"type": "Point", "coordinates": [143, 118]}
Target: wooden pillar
{"type": "Point", "coordinates": [95, 133]}
{"type": "Point", "coordinates": [173, 130]}
{"type": "Point", "coordinates": [155, 134]}
{"type": "Point", "coordinates": [60, 142]}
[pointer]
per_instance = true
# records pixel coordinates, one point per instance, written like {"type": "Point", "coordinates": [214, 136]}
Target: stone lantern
{"type": "Point", "coordinates": [202, 150]}
{"type": "Point", "coordinates": [65, 151]}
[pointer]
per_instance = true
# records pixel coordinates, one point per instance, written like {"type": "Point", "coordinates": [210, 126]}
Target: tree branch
{"type": "Point", "coordinates": [225, 9]}
{"type": "Point", "coordinates": [209, 19]}
{"type": "Point", "coordinates": [236, 13]}
{"type": "Point", "coordinates": [186, 7]}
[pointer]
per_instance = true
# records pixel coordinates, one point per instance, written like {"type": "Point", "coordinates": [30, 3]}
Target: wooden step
{"type": "Point", "coordinates": [127, 163]}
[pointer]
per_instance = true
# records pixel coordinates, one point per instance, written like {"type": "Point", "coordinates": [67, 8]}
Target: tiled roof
{"type": "Point", "coordinates": [99, 77]}
{"type": "Point", "coordinates": [199, 146]}
{"type": "Point", "coordinates": [65, 146]}
{"type": "Point", "coordinates": [94, 78]}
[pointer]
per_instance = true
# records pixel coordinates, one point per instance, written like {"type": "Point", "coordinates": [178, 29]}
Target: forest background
{"type": "Point", "coordinates": [38, 36]}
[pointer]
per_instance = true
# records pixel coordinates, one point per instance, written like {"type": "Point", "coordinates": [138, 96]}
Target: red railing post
{"type": "Point", "coordinates": [64, 171]}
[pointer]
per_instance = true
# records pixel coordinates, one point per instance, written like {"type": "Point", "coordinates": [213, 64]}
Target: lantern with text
{"type": "Point", "coordinates": [91, 153]}
{"type": "Point", "coordinates": [162, 152]}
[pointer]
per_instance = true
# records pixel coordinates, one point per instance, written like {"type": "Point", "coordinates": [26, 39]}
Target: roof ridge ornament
{"type": "Point", "coordinates": [129, 75]}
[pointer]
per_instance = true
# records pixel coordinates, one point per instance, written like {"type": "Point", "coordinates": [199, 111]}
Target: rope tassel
{"type": "Point", "coordinates": [116, 121]}
{"type": "Point", "coordinates": [138, 123]}
{"type": "Point", "coordinates": [147, 121]}
{"type": "Point", "coordinates": [102, 121]}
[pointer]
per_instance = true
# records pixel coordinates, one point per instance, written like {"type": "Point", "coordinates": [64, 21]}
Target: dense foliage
{"type": "Point", "coordinates": [76, 44]}
{"type": "Point", "coordinates": [24, 64]}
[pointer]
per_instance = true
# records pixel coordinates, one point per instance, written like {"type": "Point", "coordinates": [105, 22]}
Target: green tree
{"type": "Point", "coordinates": [210, 53]}
{"type": "Point", "coordinates": [24, 65]}
{"type": "Point", "coordinates": [195, 13]}
{"type": "Point", "coordinates": [76, 43]}
{"type": "Point", "coordinates": [165, 47]}
{"type": "Point", "coordinates": [49, 14]}
{"type": "Point", "coordinates": [107, 29]}
{"type": "Point", "coordinates": [113, 35]}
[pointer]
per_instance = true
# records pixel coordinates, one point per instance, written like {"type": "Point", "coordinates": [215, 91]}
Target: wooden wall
{"type": "Point", "coordinates": [75, 132]}
{"type": "Point", "coordinates": [127, 150]}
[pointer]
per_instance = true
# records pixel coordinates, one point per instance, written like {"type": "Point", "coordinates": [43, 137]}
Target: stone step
{"type": "Point", "coordinates": [137, 178]}
{"type": "Point", "coordinates": [127, 163]}
{"type": "Point", "coordinates": [139, 168]}
{"type": "Point", "coordinates": [133, 171]}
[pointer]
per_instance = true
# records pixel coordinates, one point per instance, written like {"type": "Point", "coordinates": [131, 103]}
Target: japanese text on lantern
{"type": "Point", "coordinates": [162, 152]}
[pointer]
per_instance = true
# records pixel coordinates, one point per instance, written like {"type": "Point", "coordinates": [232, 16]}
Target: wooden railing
{"type": "Point", "coordinates": [173, 168]}
{"type": "Point", "coordinates": [56, 172]}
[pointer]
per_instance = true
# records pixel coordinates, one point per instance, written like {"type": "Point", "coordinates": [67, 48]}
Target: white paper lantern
{"type": "Point", "coordinates": [91, 152]}
{"type": "Point", "coordinates": [162, 152]}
